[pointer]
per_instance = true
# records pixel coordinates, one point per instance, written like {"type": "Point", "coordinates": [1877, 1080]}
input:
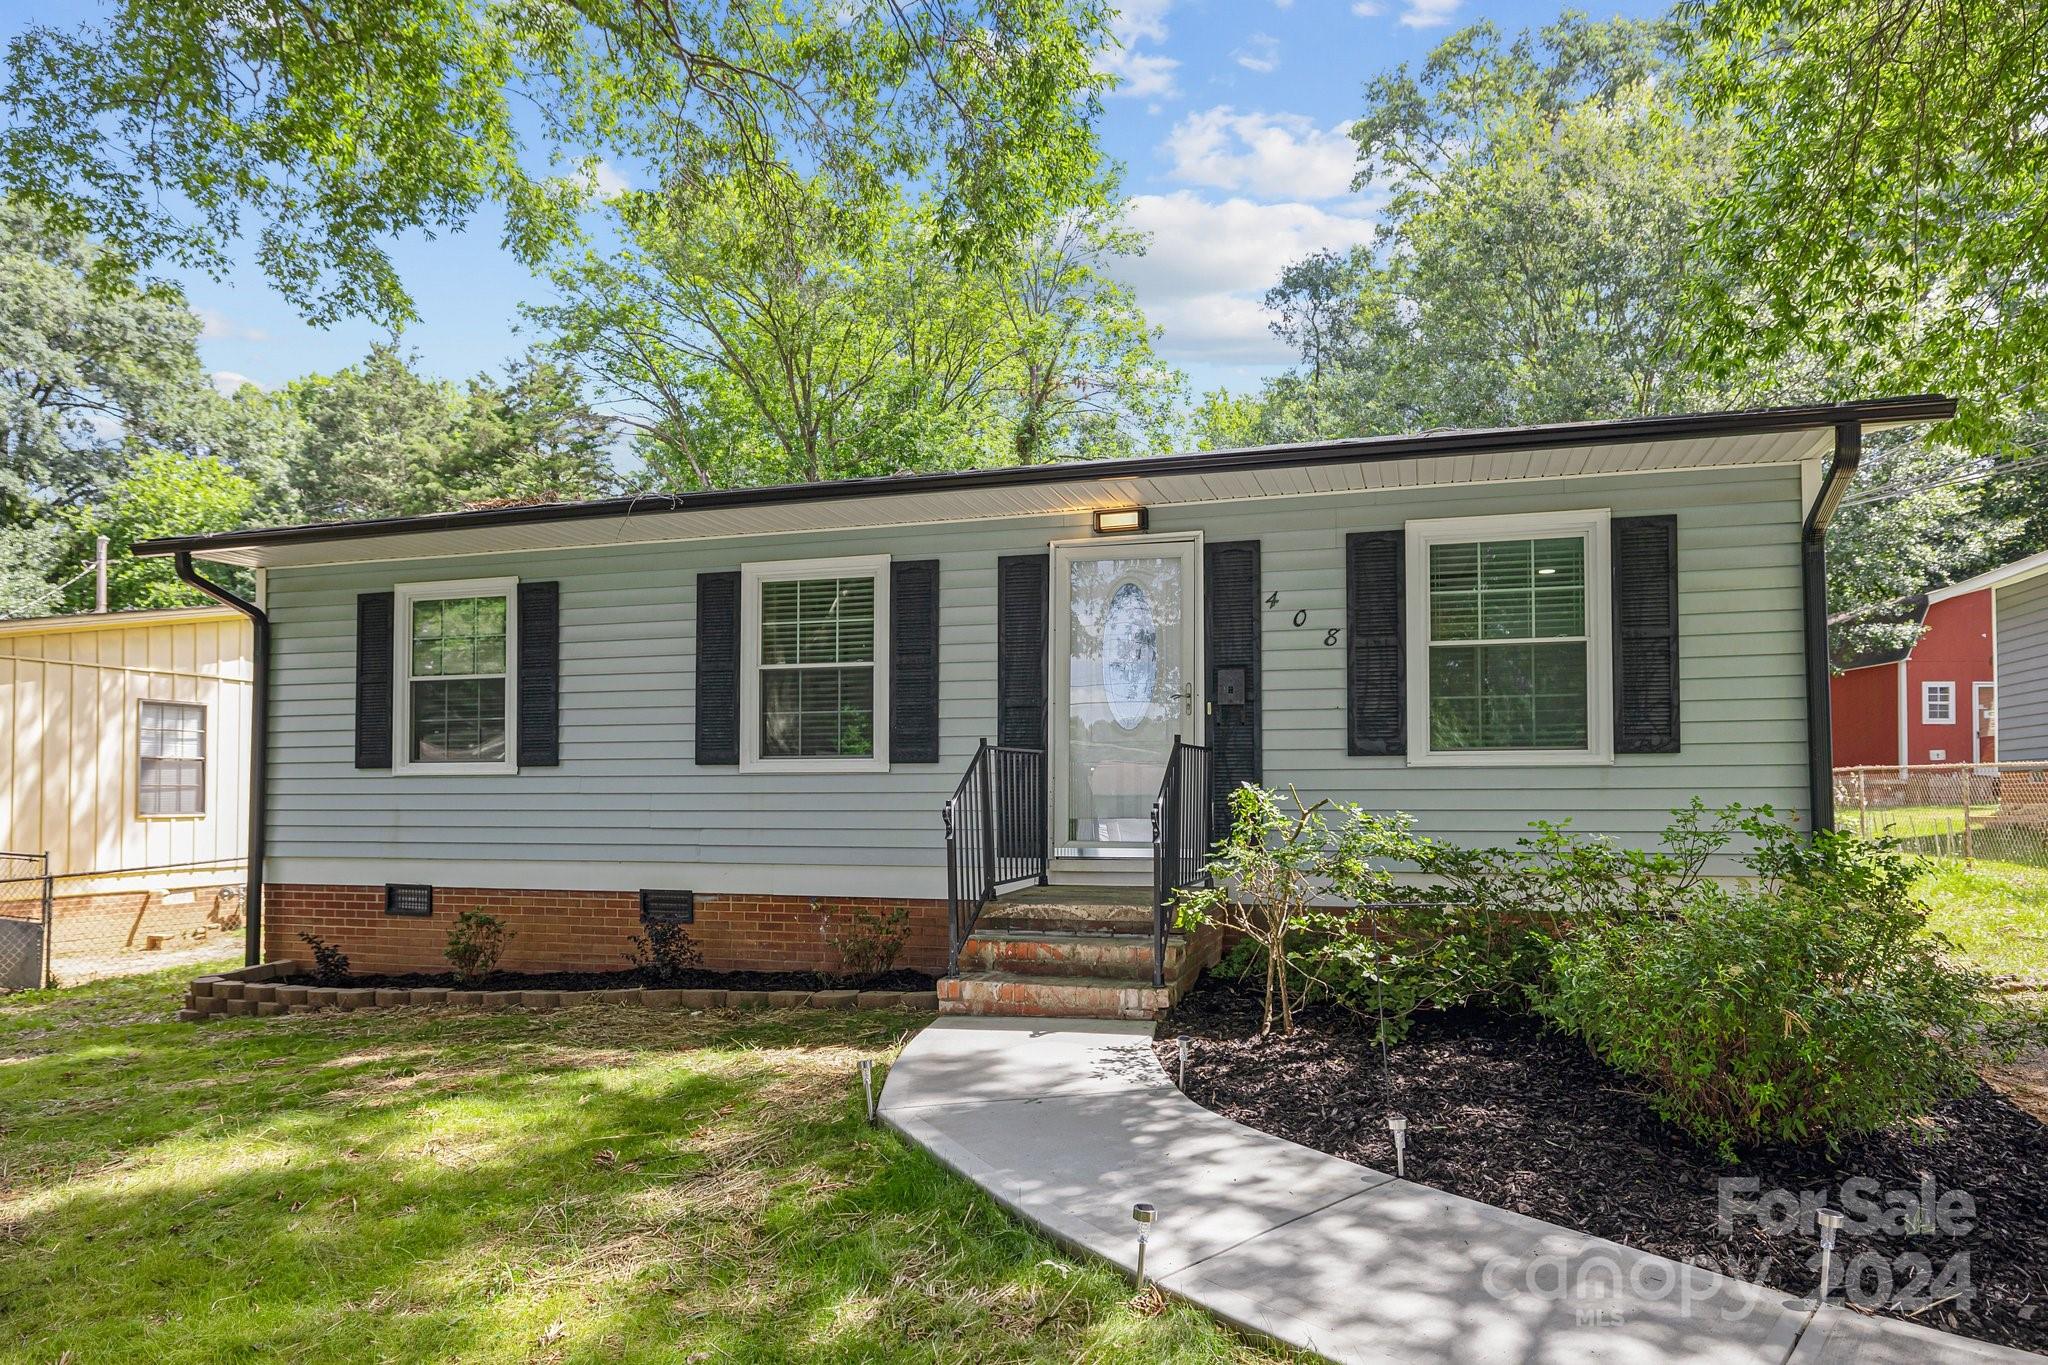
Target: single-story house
{"type": "Point", "coordinates": [123, 776]}
{"type": "Point", "coordinates": [759, 709]}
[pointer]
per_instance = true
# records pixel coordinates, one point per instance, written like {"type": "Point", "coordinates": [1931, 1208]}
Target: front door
{"type": "Point", "coordinates": [1125, 665]}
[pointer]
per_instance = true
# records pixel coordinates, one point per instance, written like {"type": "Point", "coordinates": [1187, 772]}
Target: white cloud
{"type": "Point", "coordinates": [227, 382]}
{"type": "Point", "coordinates": [1273, 155]}
{"type": "Point", "coordinates": [1260, 53]}
{"type": "Point", "coordinates": [608, 179]}
{"type": "Point", "coordinates": [1367, 9]}
{"type": "Point", "coordinates": [1283, 4]}
{"type": "Point", "coordinates": [1140, 75]}
{"type": "Point", "coordinates": [1209, 263]}
{"type": "Point", "coordinates": [215, 325]}
{"type": "Point", "coordinates": [1429, 13]}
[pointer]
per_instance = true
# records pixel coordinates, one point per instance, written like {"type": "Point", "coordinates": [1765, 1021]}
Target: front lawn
{"type": "Point", "coordinates": [603, 1183]}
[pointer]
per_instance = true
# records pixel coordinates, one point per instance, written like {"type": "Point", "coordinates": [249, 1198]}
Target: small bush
{"type": "Point", "coordinates": [475, 944]}
{"type": "Point", "coordinates": [870, 939]}
{"type": "Point", "coordinates": [666, 951]}
{"type": "Point", "coordinates": [1809, 1004]}
{"type": "Point", "coordinates": [330, 964]}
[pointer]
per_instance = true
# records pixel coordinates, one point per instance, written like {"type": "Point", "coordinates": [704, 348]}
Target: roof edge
{"type": "Point", "coordinates": [111, 620]}
{"type": "Point", "coordinates": [1372, 449]}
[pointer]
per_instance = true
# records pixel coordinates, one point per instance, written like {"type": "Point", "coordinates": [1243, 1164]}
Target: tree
{"type": "Point", "coordinates": [370, 438]}
{"type": "Point", "coordinates": [1084, 377]}
{"type": "Point", "coordinates": [329, 128]}
{"type": "Point", "coordinates": [1537, 250]}
{"type": "Point", "coordinates": [531, 438]}
{"type": "Point", "coordinates": [88, 357]}
{"type": "Point", "coordinates": [162, 493]}
{"type": "Point", "coordinates": [1886, 211]}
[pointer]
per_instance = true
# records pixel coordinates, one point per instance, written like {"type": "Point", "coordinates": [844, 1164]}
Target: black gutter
{"type": "Point", "coordinates": [1370, 450]}
{"type": "Point", "coordinates": [1813, 569]}
{"type": "Point", "coordinates": [259, 748]}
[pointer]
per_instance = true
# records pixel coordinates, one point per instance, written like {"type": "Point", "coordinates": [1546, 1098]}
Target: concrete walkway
{"type": "Point", "coordinates": [1069, 1122]}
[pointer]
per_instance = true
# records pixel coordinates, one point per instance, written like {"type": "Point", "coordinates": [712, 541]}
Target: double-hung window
{"type": "Point", "coordinates": [814, 666]}
{"type": "Point", "coordinates": [455, 702]}
{"type": "Point", "coordinates": [1508, 649]}
{"type": "Point", "coordinates": [172, 776]}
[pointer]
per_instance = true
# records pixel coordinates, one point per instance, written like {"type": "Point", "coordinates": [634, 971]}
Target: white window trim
{"type": "Point", "coordinates": [1593, 525]}
{"type": "Point", "coordinates": [405, 595]}
{"type": "Point", "coordinates": [1927, 703]}
{"type": "Point", "coordinates": [205, 760]}
{"type": "Point", "coordinates": [752, 576]}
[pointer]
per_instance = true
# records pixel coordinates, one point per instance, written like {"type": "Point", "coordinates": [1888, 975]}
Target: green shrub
{"type": "Point", "coordinates": [870, 939]}
{"type": "Point", "coordinates": [1811, 1003]}
{"type": "Point", "coordinates": [475, 944]}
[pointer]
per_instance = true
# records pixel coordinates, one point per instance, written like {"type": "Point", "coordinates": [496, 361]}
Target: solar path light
{"type": "Point", "coordinates": [1143, 1215]}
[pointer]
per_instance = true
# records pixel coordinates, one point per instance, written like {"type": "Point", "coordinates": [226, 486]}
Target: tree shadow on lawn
{"type": "Point", "coordinates": [599, 1182]}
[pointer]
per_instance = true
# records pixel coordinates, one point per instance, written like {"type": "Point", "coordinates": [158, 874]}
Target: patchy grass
{"type": "Point", "coordinates": [1995, 913]}
{"type": "Point", "coordinates": [601, 1183]}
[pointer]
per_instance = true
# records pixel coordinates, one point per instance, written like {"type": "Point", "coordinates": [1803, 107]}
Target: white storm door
{"type": "Point", "coordinates": [1125, 668]}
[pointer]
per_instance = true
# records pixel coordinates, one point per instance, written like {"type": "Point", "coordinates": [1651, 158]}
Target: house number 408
{"type": "Point", "coordinates": [1301, 619]}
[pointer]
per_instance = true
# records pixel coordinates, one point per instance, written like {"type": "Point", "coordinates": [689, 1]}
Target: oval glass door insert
{"type": "Point", "coordinates": [1130, 655]}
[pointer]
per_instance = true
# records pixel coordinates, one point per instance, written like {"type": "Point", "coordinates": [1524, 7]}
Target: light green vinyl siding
{"type": "Point", "coordinates": [2022, 615]}
{"type": "Point", "coordinates": [628, 802]}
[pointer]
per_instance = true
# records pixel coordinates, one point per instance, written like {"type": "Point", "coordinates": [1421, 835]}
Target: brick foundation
{"type": "Point", "coordinates": [582, 930]}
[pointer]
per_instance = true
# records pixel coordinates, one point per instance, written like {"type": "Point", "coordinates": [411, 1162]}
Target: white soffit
{"type": "Point", "coordinates": [931, 507]}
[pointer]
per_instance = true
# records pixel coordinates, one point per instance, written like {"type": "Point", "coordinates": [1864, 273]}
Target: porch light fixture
{"type": "Point", "coordinates": [1830, 1223]}
{"type": "Point", "coordinates": [1398, 1126]}
{"type": "Point", "coordinates": [1143, 1215]}
{"type": "Point", "coordinates": [1120, 521]}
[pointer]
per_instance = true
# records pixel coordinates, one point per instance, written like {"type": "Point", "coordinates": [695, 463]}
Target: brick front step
{"type": "Point", "coordinates": [1051, 997]}
{"type": "Point", "coordinates": [1124, 957]}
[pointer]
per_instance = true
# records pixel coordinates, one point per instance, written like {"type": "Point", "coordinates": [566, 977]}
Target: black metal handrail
{"type": "Point", "coordinates": [1180, 840]}
{"type": "Point", "coordinates": [995, 835]}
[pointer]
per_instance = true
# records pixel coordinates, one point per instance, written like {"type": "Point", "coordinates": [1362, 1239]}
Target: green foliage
{"type": "Point", "coordinates": [869, 939]}
{"type": "Point", "coordinates": [665, 950]}
{"type": "Point", "coordinates": [1539, 241]}
{"type": "Point", "coordinates": [175, 126]}
{"type": "Point", "coordinates": [1262, 884]}
{"type": "Point", "coordinates": [757, 337]}
{"type": "Point", "coordinates": [162, 493]}
{"type": "Point", "coordinates": [475, 944]}
{"type": "Point", "coordinates": [1809, 1005]}
{"type": "Point", "coordinates": [1886, 208]}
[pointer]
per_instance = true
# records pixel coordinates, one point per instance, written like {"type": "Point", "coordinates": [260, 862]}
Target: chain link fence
{"type": "Point", "coordinates": [24, 921]}
{"type": "Point", "coordinates": [71, 928]}
{"type": "Point", "coordinates": [1970, 811]}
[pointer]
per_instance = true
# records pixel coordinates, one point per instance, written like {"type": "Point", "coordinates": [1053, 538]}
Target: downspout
{"type": "Point", "coordinates": [1813, 569]}
{"type": "Point", "coordinates": [259, 746]}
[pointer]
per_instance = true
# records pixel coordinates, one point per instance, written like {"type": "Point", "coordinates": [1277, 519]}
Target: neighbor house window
{"type": "Point", "coordinates": [1508, 639]}
{"type": "Point", "coordinates": [172, 780]}
{"type": "Point", "coordinates": [1938, 703]}
{"type": "Point", "coordinates": [455, 646]}
{"type": "Point", "coordinates": [816, 685]}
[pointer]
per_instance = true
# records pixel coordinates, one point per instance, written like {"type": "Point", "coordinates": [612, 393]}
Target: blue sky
{"type": "Point", "coordinates": [1229, 126]}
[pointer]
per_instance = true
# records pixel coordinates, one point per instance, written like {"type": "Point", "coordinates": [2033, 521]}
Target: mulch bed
{"type": "Point", "coordinates": [900, 979]}
{"type": "Point", "coordinates": [1503, 1111]}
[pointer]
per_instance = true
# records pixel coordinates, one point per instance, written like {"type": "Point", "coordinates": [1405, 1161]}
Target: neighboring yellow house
{"type": "Point", "coordinates": [125, 759]}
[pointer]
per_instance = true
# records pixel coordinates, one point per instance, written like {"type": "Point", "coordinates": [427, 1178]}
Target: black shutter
{"type": "Point", "coordinates": [1645, 635]}
{"type": "Point", "coordinates": [373, 679]}
{"type": "Point", "coordinates": [540, 685]}
{"type": "Point", "coordinates": [1231, 592]}
{"type": "Point", "coordinates": [914, 661]}
{"type": "Point", "coordinates": [1023, 616]}
{"type": "Point", "coordinates": [1375, 671]}
{"type": "Point", "coordinates": [718, 668]}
